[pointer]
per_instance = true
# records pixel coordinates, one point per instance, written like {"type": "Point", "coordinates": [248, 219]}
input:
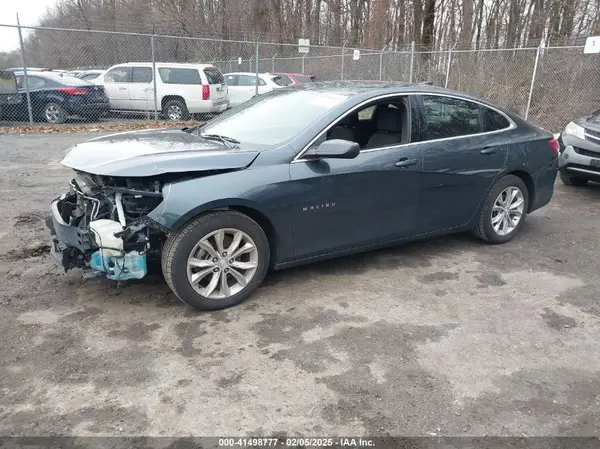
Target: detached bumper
{"type": "Point", "coordinates": [69, 244]}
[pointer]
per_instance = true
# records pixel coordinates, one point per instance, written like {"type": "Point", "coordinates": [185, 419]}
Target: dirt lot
{"type": "Point", "coordinates": [446, 337]}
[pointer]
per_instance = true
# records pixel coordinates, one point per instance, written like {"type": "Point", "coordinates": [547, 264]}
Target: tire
{"type": "Point", "coordinates": [175, 111]}
{"type": "Point", "coordinates": [572, 181]}
{"type": "Point", "coordinates": [182, 245]}
{"type": "Point", "coordinates": [485, 228]}
{"type": "Point", "coordinates": [54, 113]}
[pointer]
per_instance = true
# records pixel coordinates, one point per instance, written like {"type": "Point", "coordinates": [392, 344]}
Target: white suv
{"type": "Point", "coordinates": [182, 89]}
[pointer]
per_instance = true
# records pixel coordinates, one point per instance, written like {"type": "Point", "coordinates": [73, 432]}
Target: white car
{"type": "Point", "coordinates": [181, 89]}
{"type": "Point", "coordinates": [242, 85]}
{"type": "Point", "coordinates": [90, 75]}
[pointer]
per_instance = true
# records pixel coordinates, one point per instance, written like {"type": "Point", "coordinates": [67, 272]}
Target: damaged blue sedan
{"type": "Point", "coordinates": [295, 176]}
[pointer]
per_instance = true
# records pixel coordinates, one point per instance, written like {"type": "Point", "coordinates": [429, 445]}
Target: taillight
{"type": "Point", "coordinates": [554, 145]}
{"type": "Point", "coordinates": [73, 91]}
{"type": "Point", "coordinates": [205, 91]}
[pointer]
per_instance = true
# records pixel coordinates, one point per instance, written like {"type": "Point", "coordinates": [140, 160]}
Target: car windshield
{"type": "Point", "coordinates": [274, 118]}
{"type": "Point", "coordinates": [65, 79]}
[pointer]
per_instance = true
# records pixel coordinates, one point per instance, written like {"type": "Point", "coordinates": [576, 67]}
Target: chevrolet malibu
{"type": "Point", "coordinates": [295, 176]}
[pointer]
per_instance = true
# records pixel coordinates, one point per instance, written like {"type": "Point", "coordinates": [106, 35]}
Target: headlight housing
{"type": "Point", "coordinates": [574, 129]}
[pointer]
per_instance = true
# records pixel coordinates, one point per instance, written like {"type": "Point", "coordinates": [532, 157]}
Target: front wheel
{"type": "Point", "coordinates": [217, 260]}
{"type": "Point", "coordinates": [504, 210]}
{"type": "Point", "coordinates": [572, 181]}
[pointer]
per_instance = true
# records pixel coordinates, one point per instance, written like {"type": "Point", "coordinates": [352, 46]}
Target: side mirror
{"type": "Point", "coordinates": [335, 148]}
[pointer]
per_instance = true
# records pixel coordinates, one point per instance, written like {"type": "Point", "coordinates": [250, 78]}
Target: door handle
{"type": "Point", "coordinates": [406, 162]}
{"type": "Point", "coordinates": [122, 88]}
{"type": "Point", "coordinates": [488, 150]}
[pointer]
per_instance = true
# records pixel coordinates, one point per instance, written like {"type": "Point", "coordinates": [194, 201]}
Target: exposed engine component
{"type": "Point", "coordinates": [111, 214]}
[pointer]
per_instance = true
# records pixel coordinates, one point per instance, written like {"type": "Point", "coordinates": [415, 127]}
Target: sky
{"type": "Point", "coordinates": [29, 11]}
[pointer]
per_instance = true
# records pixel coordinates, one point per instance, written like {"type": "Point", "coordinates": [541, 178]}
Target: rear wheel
{"type": "Point", "coordinates": [176, 110]}
{"type": "Point", "coordinates": [54, 113]}
{"type": "Point", "coordinates": [504, 210]}
{"type": "Point", "coordinates": [571, 180]}
{"type": "Point", "coordinates": [217, 260]}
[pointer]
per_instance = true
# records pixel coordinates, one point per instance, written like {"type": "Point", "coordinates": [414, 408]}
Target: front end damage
{"type": "Point", "coordinates": [101, 224]}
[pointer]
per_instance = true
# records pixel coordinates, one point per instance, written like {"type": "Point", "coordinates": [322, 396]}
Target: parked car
{"type": "Point", "coordinates": [295, 79]}
{"type": "Point", "coordinates": [242, 85]}
{"type": "Point", "coordinates": [223, 202]}
{"type": "Point", "coordinates": [182, 89]}
{"type": "Point", "coordinates": [56, 96]}
{"type": "Point", "coordinates": [91, 75]}
{"type": "Point", "coordinates": [9, 96]}
{"type": "Point", "coordinates": [579, 160]}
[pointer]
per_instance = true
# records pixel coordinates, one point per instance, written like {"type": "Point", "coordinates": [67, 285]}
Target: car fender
{"type": "Point", "coordinates": [261, 192]}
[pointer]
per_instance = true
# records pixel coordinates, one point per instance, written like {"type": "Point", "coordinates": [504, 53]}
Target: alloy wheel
{"type": "Point", "coordinates": [507, 210]}
{"type": "Point", "coordinates": [52, 113]}
{"type": "Point", "coordinates": [222, 263]}
{"type": "Point", "coordinates": [174, 113]}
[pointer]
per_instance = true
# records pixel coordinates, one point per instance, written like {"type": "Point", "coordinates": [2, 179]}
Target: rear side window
{"type": "Point", "coordinates": [279, 81]}
{"type": "Point", "coordinates": [33, 81]}
{"type": "Point", "coordinates": [492, 120]}
{"type": "Point", "coordinates": [285, 80]}
{"type": "Point", "coordinates": [249, 80]}
{"type": "Point", "coordinates": [118, 75]}
{"type": "Point", "coordinates": [141, 74]}
{"type": "Point", "coordinates": [214, 76]}
{"type": "Point", "coordinates": [306, 79]}
{"type": "Point", "coordinates": [179, 76]}
{"type": "Point", "coordinates": [450, 117]}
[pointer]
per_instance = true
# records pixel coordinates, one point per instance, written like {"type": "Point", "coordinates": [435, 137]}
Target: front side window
{"type": "Point", "coordinates": [118, 75]}
{"type": "Point", "coordinates": [450, 117]}
{"type": "Point", "coordinates": [174, 75]}
{"type": "Point", "coordinates": [141, 74]}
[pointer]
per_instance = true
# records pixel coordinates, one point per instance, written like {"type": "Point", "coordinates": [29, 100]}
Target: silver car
{"type": "Point", "coordinates": [579, 160]}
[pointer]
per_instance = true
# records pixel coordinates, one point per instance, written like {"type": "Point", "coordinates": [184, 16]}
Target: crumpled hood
{"type": "Point", "coordinates": [154, 152]}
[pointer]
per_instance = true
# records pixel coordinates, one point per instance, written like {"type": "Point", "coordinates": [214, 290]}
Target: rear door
{"type": "Point", "coordinates": [461, 160]}
{"type": "Point", "coordinates": [116, 86]}
{"type": "Point", "coordinates": [216, 82]}
{"type": "Point", "coordinates": [141, 89]}
{"type": "Point", "coordinates": [239, 88]}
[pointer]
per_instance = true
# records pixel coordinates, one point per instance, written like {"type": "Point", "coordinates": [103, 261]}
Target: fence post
{"type": "Point", "coordinates": [273, 63]}
{"type": "Point", "coordinates": [343, 57]}
{"type": "Point", "coordinates": [535, 65]}
{"type": "Point", "coordinates": [25, 77]}
{"type": "Point", "coordinates": [381, 63]}
{"type": "Point", "coordinates": [303, 55]}
{"type": "Point", "coordinates": [448, 67]}
{"type": "Point", "coordinates": [256, 61]}
{"type": "Point", "coordinates": [412, 60]}
{"type": "Point", "coordinates": [154, 74]}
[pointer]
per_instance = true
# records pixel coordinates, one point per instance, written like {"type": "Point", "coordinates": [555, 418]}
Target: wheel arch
{"type": "Point", "coordinates": [528, 180]}
{"type": "Point", "coordinates": [247, 208]}
{"type": "Point", "coordinates": [167, 98]}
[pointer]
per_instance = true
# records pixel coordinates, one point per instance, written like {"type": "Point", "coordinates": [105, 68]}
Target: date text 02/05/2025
{"type": "Point", "coordinates": [295, 442]}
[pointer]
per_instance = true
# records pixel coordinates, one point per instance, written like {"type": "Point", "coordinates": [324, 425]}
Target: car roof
{"type": "Point", "coordinates": [167, 64]}
{"type": "Point", "coordinates": [290, 73]}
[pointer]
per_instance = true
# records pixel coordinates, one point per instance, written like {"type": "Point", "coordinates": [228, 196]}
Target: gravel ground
{"type": "Point", "coordinates": [446, 337]}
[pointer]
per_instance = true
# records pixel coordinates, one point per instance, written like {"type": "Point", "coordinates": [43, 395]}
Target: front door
{"type": "Point", "coordinates": [345, 203]}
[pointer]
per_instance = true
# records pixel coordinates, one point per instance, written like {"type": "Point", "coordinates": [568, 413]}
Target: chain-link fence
{"type": "Point", "coordinates": [159, 76]}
